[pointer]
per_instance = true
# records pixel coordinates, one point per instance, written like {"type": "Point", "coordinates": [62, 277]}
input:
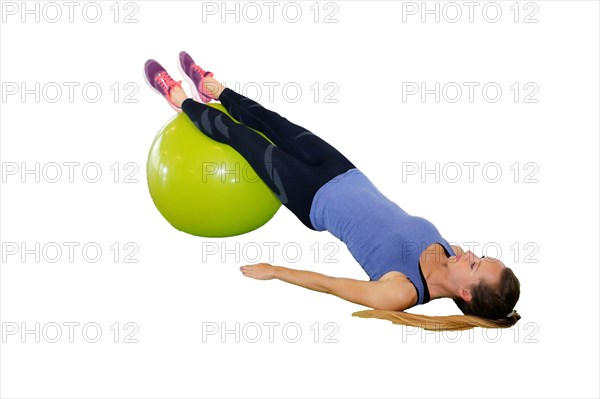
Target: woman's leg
{"type": "Point", "coordinates": [293, 181]}
{"type": "Point", "coordinates": [294, 139]}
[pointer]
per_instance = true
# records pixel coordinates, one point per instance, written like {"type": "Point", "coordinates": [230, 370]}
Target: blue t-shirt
{"type": "Point", "coordinates": [379, 234]}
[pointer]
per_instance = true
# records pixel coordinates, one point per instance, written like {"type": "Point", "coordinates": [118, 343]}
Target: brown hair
{"type": "Point", "coordinates": [489, 308]}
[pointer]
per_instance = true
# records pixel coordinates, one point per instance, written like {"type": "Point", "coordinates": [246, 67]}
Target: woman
{"type": "Point", "coordinates": [406, 258]}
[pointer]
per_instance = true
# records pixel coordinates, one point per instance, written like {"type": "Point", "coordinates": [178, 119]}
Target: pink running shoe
{"type": "Point", "coordinates": [195, 75]}
{"type": "Point", "coordinates": [160, 81]}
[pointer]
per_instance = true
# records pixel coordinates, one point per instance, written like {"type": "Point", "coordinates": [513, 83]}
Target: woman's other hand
{"type": "Point", "coordinates": [259, 271]}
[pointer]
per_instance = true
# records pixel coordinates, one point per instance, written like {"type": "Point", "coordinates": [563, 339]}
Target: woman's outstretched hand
{"type": "Point", "coordinates": [259, 271]}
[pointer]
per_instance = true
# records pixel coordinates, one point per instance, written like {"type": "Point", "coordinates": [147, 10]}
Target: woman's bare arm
{"type": "Point", "coordinates": [391, 294]}
{"type": "Point", "coordinates": [303, 278]}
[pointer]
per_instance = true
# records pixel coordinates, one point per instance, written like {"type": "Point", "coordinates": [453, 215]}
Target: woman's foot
{"type": "Point", "coordinates": [213, 86]}
{"type": "Point", "coordinates": [204, 87]}
{"type": "Point", "coordinates": [161, 82]}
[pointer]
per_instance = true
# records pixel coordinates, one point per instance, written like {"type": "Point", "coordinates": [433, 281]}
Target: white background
{"type": "Point", "coordinates": [547, 230]}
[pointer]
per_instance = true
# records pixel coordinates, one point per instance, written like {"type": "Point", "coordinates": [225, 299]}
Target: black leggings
{"type": "Point", "coordinates": [294, 168]}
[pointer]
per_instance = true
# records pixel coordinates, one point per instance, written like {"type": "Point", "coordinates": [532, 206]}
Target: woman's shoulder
{"type": "Point", "coordinates": [399, 283]}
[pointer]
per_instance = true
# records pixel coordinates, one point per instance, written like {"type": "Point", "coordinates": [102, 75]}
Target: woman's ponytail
{"type": "Point", "coordinates": [439, 323]}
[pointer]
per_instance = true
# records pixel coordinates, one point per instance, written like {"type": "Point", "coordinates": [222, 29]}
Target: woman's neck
{"type": "Point", "coordinates": [435, 270]}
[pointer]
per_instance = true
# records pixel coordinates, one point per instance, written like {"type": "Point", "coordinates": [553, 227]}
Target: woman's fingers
{"type": "Point", "coordinates": [259, 271]}
{"type": "Point", "coordinates": [247, 270]}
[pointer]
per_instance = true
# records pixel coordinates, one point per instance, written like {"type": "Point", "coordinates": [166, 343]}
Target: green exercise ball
{"type": "Point", "coordinates": [203, 187]}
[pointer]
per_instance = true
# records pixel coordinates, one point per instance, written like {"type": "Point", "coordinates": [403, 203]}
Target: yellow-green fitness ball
{"type": "Point", "coordinates": [204, 187]}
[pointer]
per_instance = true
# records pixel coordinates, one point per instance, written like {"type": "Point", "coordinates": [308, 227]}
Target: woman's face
{"type": "Point", "coordinates": [467, 270]}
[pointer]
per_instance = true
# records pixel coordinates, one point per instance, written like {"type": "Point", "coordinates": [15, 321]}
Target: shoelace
{"type": "Point", "coordinates": [201, 71]}
{"type": "Point", "coordinates": [165, 81]}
